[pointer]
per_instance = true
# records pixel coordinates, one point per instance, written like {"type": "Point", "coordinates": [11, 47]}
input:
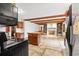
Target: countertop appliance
{"type": "Point", "coordinates": [8, 14]}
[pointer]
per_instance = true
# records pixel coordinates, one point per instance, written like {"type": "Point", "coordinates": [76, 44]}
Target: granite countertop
{"type": "Point", "coordinates": [40, 33]}
{"type": "Point", "coordinates": [12, 43]}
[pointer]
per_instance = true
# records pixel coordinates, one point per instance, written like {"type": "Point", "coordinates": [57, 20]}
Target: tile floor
{"type": "Point", "coordinates": [48, 46]}
{"type": "Point", "coordinates": [43, 51]}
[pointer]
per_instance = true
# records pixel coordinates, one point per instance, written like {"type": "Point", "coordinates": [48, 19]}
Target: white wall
{"type": "Point", "coordinates": [2, 28]}
{"type": "Point", "coordinates": [30, 27]}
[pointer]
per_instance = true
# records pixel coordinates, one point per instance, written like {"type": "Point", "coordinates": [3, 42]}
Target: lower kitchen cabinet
{"type": "Point", "coordinates": [20, 49]}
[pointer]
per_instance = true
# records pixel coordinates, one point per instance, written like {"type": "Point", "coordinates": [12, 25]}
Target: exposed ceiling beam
{"type": "Point", "coordinates": [54, 16]}
{"type": "Point", "coordinates": [50, 19]}
{"type": "Point", "coordinates": [47, 22]}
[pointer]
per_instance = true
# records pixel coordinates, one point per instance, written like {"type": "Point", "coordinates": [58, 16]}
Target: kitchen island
{"type": "Point", "coordinates": [33, 37]}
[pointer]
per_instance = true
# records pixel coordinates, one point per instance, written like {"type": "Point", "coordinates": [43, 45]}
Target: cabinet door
{"type": "Point", "coordinates": [33, 39]}
{"type": "Point", "coordinates": [19, 25]}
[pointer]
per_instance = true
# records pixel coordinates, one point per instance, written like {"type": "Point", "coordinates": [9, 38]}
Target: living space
{"type": "Point", "coordinates": [39, 29]}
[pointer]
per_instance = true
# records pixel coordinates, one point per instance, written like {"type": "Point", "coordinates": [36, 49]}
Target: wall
{"type": "Point", "coordinates": [20, 29]}
{"type": "Point", "coordinates": [75, 12]}
{"type": "Point", "coordinates": [76, 26]}
{"type": "Point", "coordinates": [2, 28]}
{"type": "Point", "coordinates": [75, 17]}
{"type": "Point", "coordinates": [30, 27]}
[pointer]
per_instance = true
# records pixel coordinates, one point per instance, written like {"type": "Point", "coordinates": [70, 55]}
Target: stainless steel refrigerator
{"type": "Point", "coordinates": [72, 31]}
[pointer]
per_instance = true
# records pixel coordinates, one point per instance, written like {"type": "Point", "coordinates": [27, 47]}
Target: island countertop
{"type": "Point", "coordinates": [39, 33]}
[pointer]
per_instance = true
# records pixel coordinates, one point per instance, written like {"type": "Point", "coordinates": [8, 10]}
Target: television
{"type": "Point", "coordinates": [8, 14]}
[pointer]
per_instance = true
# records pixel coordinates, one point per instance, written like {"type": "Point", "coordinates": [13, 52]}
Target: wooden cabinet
{"type": "Point", "coordinates": [18, 35]}
{"type": "Point", "coordinates": [33, 37]}
{"type": "Point", "coordinates": [19, 25]}
{"type": "Point", "coordinates": [19, 30]}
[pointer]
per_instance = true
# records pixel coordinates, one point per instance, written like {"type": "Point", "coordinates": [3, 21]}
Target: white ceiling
{"type": "Point", "coordinates": [33, 10]}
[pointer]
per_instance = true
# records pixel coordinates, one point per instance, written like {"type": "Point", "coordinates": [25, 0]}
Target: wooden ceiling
{"type": "Point", "coordinates": [50, 19]}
